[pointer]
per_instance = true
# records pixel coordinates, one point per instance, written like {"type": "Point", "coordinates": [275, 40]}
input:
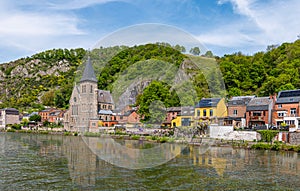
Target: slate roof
{"type": "Point", "coordinates": [259, 104]}
{"type": "Point", "coordinates": [11, 111]}
{"type": "Point", "coordinates": [104, 96]}
{"type": "Point", "coordinates": [240, 100]}
{"type": "Point", "coordinates": [171, 109]}
{"type": "Point", "coordinates": [208, 102]}
{"type": "Point", "coordinates": [288, 96]}
{"type": "Point", "coordinates": [88, 74]}
{"type": "Point", "coordinates": [187, 111]}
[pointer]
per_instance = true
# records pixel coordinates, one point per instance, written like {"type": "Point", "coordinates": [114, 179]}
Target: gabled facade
{"type": "Point", "coordinates": [185, 118]}
{"type": "Point", "coordinates": [9, 116]}
{"type": "Point", "coordinates": [286, 109]}
{"type": "Point", "coordinates": [236, 108]}
{"type": "Point", "coordinates": [258, 112]}
{"type": "Point", "coordinates": [172, 113]}
{"type": "Point", "coordinates": [210, 109]}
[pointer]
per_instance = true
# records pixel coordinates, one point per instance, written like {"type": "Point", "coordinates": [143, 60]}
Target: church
{"type": "Point", "coordinates": [89, 106]}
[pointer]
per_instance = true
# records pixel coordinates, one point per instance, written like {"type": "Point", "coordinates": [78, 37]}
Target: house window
{"type": "Point", "coordinates": [93, 124]}
{"type": "Point", "coordinates": [204, 112]}
{"type": "Point", "coordinates": [234, 112]}
{"type": "Point", "coordinates": [281, 114]}
{"type": "Point", "coordinates": [211, 112]}
{"type": "Point", "coordinates": [256, 113]}
{"type": "Point", "coordinates": [198, 113]}
{"type": "Point", "coordinates": [293, 111]}
{"type": "Point", "coordinates": [83, 88]}
{"type": "Point", "coordinates": [185, 122]}
{"type": "Point", "coordinates": [279, 106]}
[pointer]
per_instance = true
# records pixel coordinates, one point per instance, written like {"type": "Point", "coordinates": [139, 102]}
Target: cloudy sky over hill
{"type": "Point", "coordinates": [223, 26]}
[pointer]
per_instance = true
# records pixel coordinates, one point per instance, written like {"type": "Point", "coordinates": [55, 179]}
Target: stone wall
{"type": "Point", "coordinates": [294, 138]}
{"type": "Point", "coordinates": [227, 133]}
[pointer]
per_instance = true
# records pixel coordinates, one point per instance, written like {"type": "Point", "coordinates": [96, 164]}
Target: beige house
{"type": "Point", "coordinates": [9, 116]}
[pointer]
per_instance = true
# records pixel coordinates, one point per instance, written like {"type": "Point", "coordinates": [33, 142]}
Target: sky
{"type": "Point", "coordinates": [222, 26]}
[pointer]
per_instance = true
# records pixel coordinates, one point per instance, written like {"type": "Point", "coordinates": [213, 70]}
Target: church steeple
{"type": "Point", "coordinates": [88, 74]}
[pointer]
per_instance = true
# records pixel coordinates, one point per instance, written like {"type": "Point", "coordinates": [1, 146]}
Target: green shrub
{"type": "Point", "coordinates": [16, 126]}
{"type": "Point", "coordinates": [163, 139]}
{"type": "Point", "coordinates": [263, 146]}
{"type": "Point", "coordinates": [135, 137]}
{"type": "Point", "coordinates": [267, 135]}
{"type": "Point", "coordinates": [10, 130]}
{"type": "Point", "coordinates": [67, 133]}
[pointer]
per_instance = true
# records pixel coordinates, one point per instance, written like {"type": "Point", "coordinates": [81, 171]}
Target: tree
{"type": "Point", "coordinates": [35, 117]}
{"type": "Point", "coordinates": [195, 51]}
{"type": "Point", "coordinates": [209, 54]}
{"type": "Point", "coordinates": [48, 98]}
{"type": "Point", "coordinates": [154, 98]}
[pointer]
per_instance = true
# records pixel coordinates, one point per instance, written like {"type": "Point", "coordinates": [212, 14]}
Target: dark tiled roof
{"type": "Point", "coordinates": [187, 111]}
{"type": "Point", "coordinates": [104, 97]}
{"type": "Point", "coordinates": [208, 102]}
{"type": "Point", "coordinates": [171, 109]}
{"type": "Point", "coordinates": [259, 104]}
{"type": "Point", "coordinates": [11, 111]}
{"type": "Point", "coordinates": [288, 96]}
{"type": "Point", "coordinates": [88, 74]}
{"type": "Point", "coordinates": [240, 100]}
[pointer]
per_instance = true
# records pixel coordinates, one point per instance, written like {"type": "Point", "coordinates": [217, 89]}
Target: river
{"type": "Point", "coordinates": [56, 162]}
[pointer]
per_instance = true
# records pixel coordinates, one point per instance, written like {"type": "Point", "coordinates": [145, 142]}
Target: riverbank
{"type": "Point", "coordinates": [197, 141]}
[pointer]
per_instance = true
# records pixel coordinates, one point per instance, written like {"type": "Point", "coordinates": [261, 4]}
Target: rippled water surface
{"type": "Point", "coordinates": [54, 162]}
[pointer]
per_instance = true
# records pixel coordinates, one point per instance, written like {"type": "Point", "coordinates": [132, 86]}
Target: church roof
{"type": "Point", "coordinates": [88, 74]}
{"type": "Point", "coordinates": [104, 96]}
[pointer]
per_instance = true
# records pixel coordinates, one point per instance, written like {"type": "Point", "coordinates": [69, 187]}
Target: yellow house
{"type": "Point", "coordinates": [184, 118]}
{"type": "Point", "coordinates": [209, 108]}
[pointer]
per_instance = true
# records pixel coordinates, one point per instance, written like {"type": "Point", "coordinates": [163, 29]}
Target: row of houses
{"type": "Point", "coordinates": [241, 111]}
{"type": "Point", "coordinates": [10, 116]}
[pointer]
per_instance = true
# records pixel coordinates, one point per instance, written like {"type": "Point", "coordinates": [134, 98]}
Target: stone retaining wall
{"type": "Point", "coordinates": [294, 138]}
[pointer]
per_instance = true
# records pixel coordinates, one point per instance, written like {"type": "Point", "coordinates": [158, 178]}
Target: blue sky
{"type": "Point", "coordinates": [223, 26]}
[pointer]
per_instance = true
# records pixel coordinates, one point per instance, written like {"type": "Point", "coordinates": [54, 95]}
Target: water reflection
{"type": "Point", "coordinates": [72, 164]}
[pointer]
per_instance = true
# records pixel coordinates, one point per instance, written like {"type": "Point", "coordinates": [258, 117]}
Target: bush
{"type": "Point", "coordinates": [16, 126]}
{"type": "Point", "coordinates": [267, 135]}
{"type": "Point", "coordinates": [135, 137]}
{"type": "Point", "coordinates": [163, 139]}
{"type": "Point", "coordinates": [262, 146]}
{"type": "Point", "coordinates": [10, 130]}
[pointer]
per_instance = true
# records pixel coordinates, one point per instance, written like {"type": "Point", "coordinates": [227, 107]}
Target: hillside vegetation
{"type": "Point", "coordinates": [47, 78]}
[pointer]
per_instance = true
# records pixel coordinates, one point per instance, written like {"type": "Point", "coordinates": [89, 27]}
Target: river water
{"type": "Point", "coordinates": [55, 162]}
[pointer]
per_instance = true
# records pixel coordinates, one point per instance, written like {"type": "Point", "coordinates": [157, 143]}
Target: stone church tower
{"type": "Point", "coordinates": [83, 101]}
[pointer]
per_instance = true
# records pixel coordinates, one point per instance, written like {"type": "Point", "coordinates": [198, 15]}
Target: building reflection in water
{"type": "Point", "coordinates": [87, 168]}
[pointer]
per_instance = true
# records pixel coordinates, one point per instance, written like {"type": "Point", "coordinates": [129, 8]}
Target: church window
{"type": "Point", "coordinates": [75, 99]}
{"type": "Point", "coordinates": [83, 88]}
{"type": "Point", "coordinates": [91, 90]}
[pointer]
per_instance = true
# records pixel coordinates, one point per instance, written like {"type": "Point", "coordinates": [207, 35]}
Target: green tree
{"type": "Point", "coordinates": [195, 51]}
{"type": "Point", "coordinates": [209, 54]}
{"type": "Point", "coordinates": [35, 117]}
{"type": "Point", "coordinates": [154, 98]}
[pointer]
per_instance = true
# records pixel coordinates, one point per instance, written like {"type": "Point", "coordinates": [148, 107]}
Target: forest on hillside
{"type": "Point", "coordinates": [47, 78]}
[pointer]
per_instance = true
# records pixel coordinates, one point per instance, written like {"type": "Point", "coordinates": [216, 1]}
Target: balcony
{"type": "Point", "coordinates": [257, 118]}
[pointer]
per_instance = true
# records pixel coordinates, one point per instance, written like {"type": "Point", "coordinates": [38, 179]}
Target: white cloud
{"type": "Point", "coordinates": [274, 22]}
{"type": "Point", "coordinates": [77, 4]}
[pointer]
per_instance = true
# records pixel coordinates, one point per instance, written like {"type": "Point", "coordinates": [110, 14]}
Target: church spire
{"type": "Point", "coordinates": [88, 74]}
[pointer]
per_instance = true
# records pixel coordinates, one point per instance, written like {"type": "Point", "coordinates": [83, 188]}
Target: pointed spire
{"type": "Point", "coordinates": [88, 74]}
